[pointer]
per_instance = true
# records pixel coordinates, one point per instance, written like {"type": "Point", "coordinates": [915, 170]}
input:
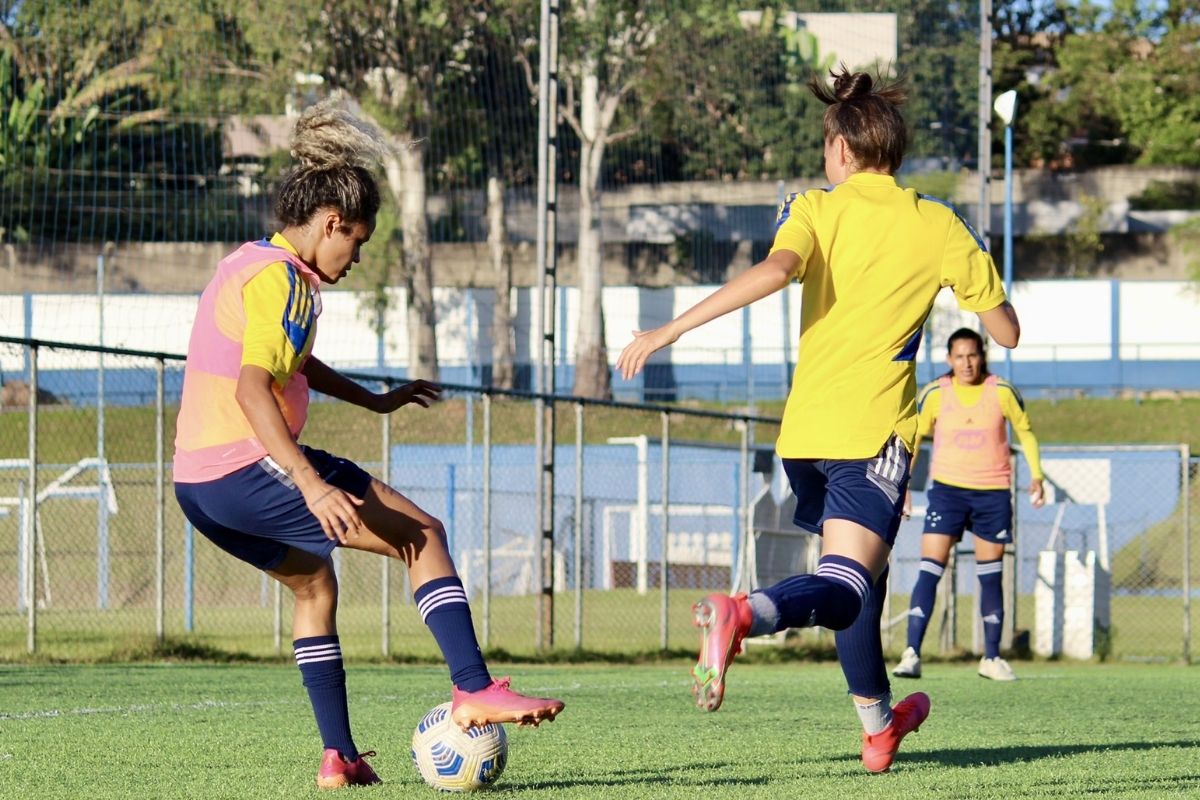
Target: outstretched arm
{"type": "Point", "coordinates": [326, 380]}
{"type": "Point", "coordinates": [766, 277]}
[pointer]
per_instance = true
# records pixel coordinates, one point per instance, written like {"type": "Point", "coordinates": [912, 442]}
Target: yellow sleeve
{"type": "Point", "coordinates": [794, 231]}
{"type": "Point", "coordinates": [969, 270]}
{"type": "Point", "coordinates": [279, 320]}
{"type": "Point", "coordinates": [929, 403]}
{"type": "Point", "coordinates": [1013, 406]}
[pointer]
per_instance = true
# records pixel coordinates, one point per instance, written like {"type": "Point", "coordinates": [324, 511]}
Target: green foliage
{"type": "Point", "coordinates": [125, 98]}
{"type": "Point", "coordinates": [939, 183]}
{"type": "Point", "coordinates": [1167, 196]}
{"type": "Point", "coordinates": [1186, 236]}
{"type": "Point", "coordinates": [1082, 242]}
{"type": "Point", "coordinates": [1116, 87]}
{"type": "Point", "coordinates": [381, 265]}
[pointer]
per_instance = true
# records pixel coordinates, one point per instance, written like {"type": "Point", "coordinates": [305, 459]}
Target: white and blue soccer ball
{"type": "Point", "coordinates": [453, 760]}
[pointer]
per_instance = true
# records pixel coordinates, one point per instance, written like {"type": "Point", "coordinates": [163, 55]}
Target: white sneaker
{"type": "Point", "coordinates": [909, 666]}
{"type": "Point", "coordinates": [996, 668]}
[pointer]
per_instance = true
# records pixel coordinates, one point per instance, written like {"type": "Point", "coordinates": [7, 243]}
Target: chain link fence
{"type": "Point", "coordinates": [104, 565]}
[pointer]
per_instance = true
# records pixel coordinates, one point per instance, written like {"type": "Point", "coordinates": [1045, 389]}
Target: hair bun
{"type": "Point", "coordinates": [847, 86]}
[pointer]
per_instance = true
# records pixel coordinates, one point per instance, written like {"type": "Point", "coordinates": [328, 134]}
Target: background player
{"type": "Point", "coordinates": [967, 409]}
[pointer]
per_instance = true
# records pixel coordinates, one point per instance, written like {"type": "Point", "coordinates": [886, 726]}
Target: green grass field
{"type": "Point", "coordinates": [786, 731]}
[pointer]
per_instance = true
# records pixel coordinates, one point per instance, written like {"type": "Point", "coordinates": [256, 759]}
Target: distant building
{"type": "Point", "coordinates": [858, 40]}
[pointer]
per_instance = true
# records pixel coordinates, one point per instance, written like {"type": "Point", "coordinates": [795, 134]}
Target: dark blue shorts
{"type": "Point", "coordinates": [868, 491]}
{"type": "Point", "coordinates": [257, 513]}
{"type": "Point", "coordinates": [987, 513]}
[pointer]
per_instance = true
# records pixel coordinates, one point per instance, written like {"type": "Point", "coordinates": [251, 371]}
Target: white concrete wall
{"type": "Point", "coordinates": [1061, 320]}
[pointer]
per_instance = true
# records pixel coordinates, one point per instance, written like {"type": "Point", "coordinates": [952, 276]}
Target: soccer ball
{"type": "Point", "coordinates": [454, 760]}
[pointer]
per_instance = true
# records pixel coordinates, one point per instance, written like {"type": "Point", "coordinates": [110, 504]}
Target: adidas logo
{"type": "Point", "coordinates": [992, 619]}
{"type": "Point", "coordinates": [917, 612]}
{"type": "Point", "coordinates": [1002, 534]}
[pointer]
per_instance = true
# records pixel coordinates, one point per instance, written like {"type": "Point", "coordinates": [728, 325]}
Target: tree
{"type": "Point", "coordinates": [610, 53]}
{"type": "Point", "coordinates": [1118, 85]}
{"type": "Point", "coordinates": [397, 59]}
{"type": "Point", "coordinates": [115, 88]}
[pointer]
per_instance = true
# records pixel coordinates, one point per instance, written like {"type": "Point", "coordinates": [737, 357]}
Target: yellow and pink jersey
{"type": "Point", "coordinates": [970, 440]}
{"type": "Point", "coordinates": [259, 309]}
{"type": "Point", "coordinates": [873, 257]}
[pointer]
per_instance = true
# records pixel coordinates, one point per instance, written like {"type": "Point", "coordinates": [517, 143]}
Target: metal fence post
{"type": "Point", "coordinates": [1185, 461]}
{"type": "Point", "coordinates": [159, 504]}
{"type": "Point", "coordinates": [31, 512]}
{"type": "Point", "coordinates": [189, 577]}
{"type": "Point", "coordinates": [278, 617]}
{"type": "Point", "coordinates": [578, 567]}
{"type": "Point", "coordinates": [664, 566]}
{"type": "Point", "coordinates": [1010, 564]}
{"type": "Point", "coordinates": [385, 586]}
{"type": "Point", "coordinates": [487, 520]}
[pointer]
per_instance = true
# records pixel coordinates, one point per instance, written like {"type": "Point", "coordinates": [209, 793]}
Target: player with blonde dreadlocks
{"type": "Point", "coordinates": [242, 477]}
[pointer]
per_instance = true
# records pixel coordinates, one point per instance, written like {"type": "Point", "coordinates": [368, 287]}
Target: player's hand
{"type": "Point", "coordinates": [1037, 493]}
{"type": "Point", "coordinates": [906, 511]}
{"type": "Point", "coordinates": [336, 510]}
{"type": "Point", "coordinates": [645, 343]}
{"type": "Point", "coordinates": [422, 393]}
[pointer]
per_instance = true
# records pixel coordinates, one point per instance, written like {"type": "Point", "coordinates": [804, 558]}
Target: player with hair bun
{"type": "Point", "coordinates": [245, 482]}
{"type": "Point", "coordinates": [871, 256]}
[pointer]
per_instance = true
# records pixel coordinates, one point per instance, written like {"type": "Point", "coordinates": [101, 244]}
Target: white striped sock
{"type": "Point", "coordinates": [845, 575]}
{"type": "Point", "coordinates": [447, 595]}
{"type": "Point", "coordinates": [310, 654]}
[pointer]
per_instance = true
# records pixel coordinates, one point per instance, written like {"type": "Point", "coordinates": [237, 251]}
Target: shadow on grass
{"type": "Point", "coordinates": [994, 756]}
{"type": "Point", "coordinates": [682, 775]}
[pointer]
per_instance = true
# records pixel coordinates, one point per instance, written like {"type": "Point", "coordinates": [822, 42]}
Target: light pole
{"type": "Point", "coordinates": [1006, 109]}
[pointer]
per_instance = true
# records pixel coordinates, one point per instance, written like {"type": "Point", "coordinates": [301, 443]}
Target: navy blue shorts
{"type": "Point", "coordinates": [257, 513]}
{"type": "Point", "coordinates": [867, 491]}
{"type": "Point", "coordinates": [987, 513]}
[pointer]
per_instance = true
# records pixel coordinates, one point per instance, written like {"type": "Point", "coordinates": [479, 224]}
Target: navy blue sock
{"type": "Point", "coordinates": [320, 661]}
{"type": "Point", "coordinates": [860, 648]}
{"type": "Point", "coordinates": [920, 609]}
{"type": "Point", "coordinates": [991, 604]}
{"type": "Point", "coordinates": [830, 598]}
{"type": "Point", "coordinates": [443, 607]}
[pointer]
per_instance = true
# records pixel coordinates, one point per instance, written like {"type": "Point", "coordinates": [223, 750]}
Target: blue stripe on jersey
{"type": "Point", "coordinates": [911, 346]}
{"type": "Point", "coordinates": [298, 313]}
{"type": "Point", "coordinates": [1001, 383]}
{"type": "Point", "coordinates": [930, 389]}
{"type": "Point", "coordinates": [967, 225]}
{"type": "Point", "coordinates": [785, 210]}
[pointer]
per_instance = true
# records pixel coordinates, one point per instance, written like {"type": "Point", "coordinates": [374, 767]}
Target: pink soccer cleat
{"type": "Point", "coordinates": [907, 716]}
{"type": "Point", "coordinates": [726, 621]}
{"type": "Point", "coordinates": [336, 772]}
{"type": "Point", "coordinates": [498, 703]}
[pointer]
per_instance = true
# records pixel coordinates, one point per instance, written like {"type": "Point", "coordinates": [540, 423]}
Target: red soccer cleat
{"type": "Point", "coordinates": [337, 772]}
{"type": "Point", "coordinates": [498, 703]}
{"type": "Point", "coordinates": [726, 621]}
{"type": "Point", "coordinates": [907, 716]}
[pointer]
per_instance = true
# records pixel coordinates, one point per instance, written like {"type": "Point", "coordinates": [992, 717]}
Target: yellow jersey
{"type": "Point", "coordinates": [872, 258]}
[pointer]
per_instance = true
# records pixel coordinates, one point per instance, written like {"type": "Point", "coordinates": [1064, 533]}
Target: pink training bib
{"type": "Point", "coordinates": [213, 437]}
{"type": "Point", "coordinates": [970, 443]}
